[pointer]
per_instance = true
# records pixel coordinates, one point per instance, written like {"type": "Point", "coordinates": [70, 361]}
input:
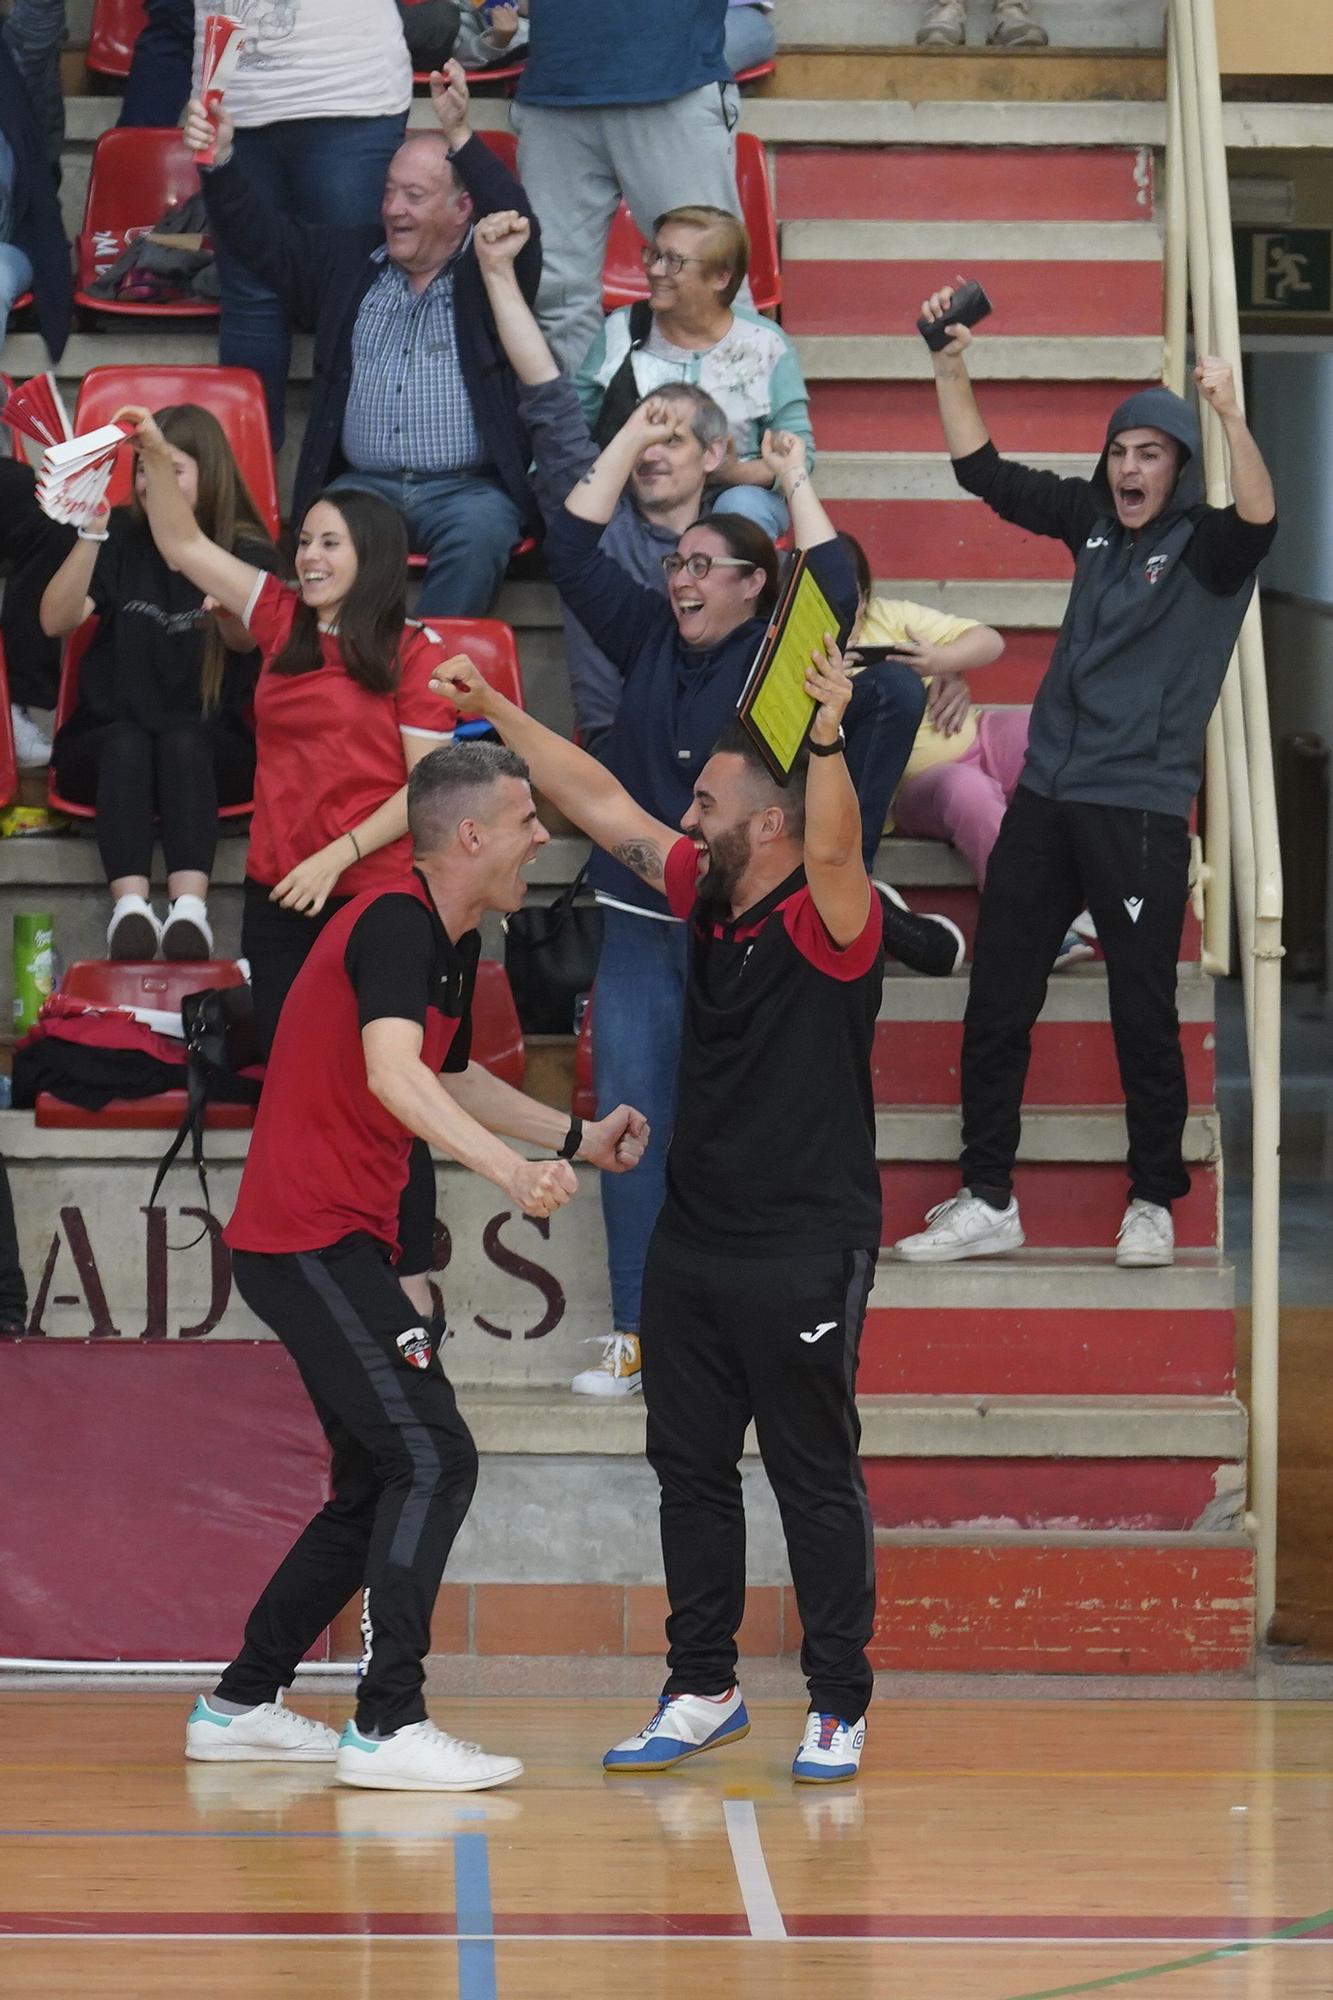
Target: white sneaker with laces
{"type": "Point", "coordinates": [187, 933]}
{"type": "Point", "coordinates": [419, 1758]}
{"type": "Point", "coordinates": [32, 745]}
{"type": "Point", "coordinates": [963, 1226]}
{"type": "Point", "coordinates": [617, 1373]}
{"type": "Point", "coordinates": [1014, 28]}
{"type": "Point", "coordinates": [944, 26]}
{"type": "Point", "coordinates": [830, 1751]}
{"type": "Point", "coordinates": [684, 1725]}
{"type": "Point", "coordinates": [134, 933]}
{"type": "Point", "coordinates": [1146, 1237]}
{"type": "Point", "coordinates": [267, 1734]}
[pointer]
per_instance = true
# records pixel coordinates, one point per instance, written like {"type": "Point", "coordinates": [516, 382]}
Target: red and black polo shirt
{"type": "Point", "coordinates": [773, 1150]}
{"type": "Point", "coordinates": [326, 1159]}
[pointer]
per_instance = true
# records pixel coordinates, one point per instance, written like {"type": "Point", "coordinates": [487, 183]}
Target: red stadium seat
{"type": "Point", "coordinates": [235, 396]}
{"type": "Point", "coordinates": [489, 643]}
{"type": "Point", "coordinates": [506, 73]}
{"type": "Point", "coordinates": [504, 145]}
{"type": "Point", "coordinates": [585, 1096]}
{"type": "Point", "coordinates": [137, 173]}
{"type": "Point", "coordinates": [755, 71]}
{"type": "Point", "coordinates": [116, 25]}
{"type": "Point", "coordinates": [623, 278]}
{"type": "Point", "coordinates": [497, 1038]}
{"type": "Point", "coordinates": [9, 770]}
{"type": "Point", "coordinates": [76, 645]}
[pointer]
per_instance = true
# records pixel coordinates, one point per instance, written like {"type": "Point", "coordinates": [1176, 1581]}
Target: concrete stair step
{"type": "Point", "coordinates": [1063, 1603]}
{"type": "Point", "coordinates": [945, 183]}
{"type": "Point", "coordinates": [1083, 1280]}
{"type": "Point", "coordinates": [1032, 419]}
{"type": "Point", "coordinates": [916, 476]}
{"type": "Point", "coordinates": [875, 24]}
{"type": "Point", "coordinates": [949, 245]}
{"type": "Point", "coordinates": [1048, 358]}
{"type": "Point", "coordinates": [1064, 1202]}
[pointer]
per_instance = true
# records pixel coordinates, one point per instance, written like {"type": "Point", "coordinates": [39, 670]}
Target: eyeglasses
{"type": "Point", "coordinates": [699, 566]}
{"type": "Point", "coordinates": [671, 260]}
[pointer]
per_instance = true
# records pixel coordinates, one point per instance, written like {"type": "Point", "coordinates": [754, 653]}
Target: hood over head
{"type": "Point", "coordinates": [1161, 410]}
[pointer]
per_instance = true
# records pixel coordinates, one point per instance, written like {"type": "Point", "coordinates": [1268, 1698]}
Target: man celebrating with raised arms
{"type": "Point", "coordinates": [762, 1258]}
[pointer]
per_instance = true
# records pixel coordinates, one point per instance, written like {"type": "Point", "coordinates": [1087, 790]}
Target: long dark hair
{"type": "Point", "coordinates": [747, 541]}
{"type": "Point", "coordinates": [370, 622]}
{"type": "Point", "coordinates": [225, 509]}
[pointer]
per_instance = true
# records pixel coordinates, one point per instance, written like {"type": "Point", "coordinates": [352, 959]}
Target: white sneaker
{"type": "Point", "coordinates": [419, 1758]}
{"type": "Point", "coordinates": [684, 1725]}
{"type": "Point", "coordinates": [32, 746]}
{"type": "Point", "coordinates": [830, 1751]}
{"type": "Point", "coordinates": [617, 1373]}
{"type": "Point", "coordinates": [134, 932]}
{"type": "Point", "coordinates": [944, 26]}
{"type": "Point", "coordinates": [187, 933]}
{"type": "Point", "coordinates": [1013, 27]}
{"type": "Point", "coordinates": [1146, 1237]}
{"type": "Point", "coordinates": [963, 1226]}
{"type": "Point", "coordinates": [268, 1734]}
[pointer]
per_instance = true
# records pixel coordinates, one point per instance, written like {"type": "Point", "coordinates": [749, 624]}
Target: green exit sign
{"type": "Point", "coordinates": [1284, 270]}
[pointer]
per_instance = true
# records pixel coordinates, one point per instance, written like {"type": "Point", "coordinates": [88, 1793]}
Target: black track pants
{"type": "Point", "coordinates": [1131, 870]}
{"type": "Point", "coordinates": [403, 1473]}
{"type": "Point", "coordinates": [723, 1343]}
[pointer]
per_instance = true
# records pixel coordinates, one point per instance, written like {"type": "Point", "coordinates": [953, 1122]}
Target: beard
{"type": "Point", "coordinates": [728, 858]}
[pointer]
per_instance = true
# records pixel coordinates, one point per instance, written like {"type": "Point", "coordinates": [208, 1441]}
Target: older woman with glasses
{"type": "Point", "coordinates": [689, 330]}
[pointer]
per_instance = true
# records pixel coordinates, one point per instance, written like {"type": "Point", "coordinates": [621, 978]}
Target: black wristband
{"type": "Point", "coordinates": [833, 749]}
{"type": "Point", "coordinates": [573, 1139]}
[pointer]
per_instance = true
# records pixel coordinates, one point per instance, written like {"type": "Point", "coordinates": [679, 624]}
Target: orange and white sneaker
{"type": "Point", "coordinates": [617, 1373]}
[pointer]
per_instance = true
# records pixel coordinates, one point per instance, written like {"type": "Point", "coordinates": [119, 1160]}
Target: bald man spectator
{"type": "Point", "coordinates": [412, 397]}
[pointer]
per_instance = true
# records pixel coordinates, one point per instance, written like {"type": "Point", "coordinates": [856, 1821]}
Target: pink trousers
{"type": "Point", "coordinates": [965, 801]}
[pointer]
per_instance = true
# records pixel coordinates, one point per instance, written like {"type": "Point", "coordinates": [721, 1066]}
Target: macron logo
{"type": "Point", "coordinates": [1097, 542]}
{"type": "Point", "coordinates": [818, 1332]}
{"type": "Point", "coordinates": [1133, 904]}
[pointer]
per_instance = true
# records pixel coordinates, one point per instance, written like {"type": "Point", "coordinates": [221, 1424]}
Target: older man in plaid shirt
{"type": "Point", "coordinates": [412, 396]}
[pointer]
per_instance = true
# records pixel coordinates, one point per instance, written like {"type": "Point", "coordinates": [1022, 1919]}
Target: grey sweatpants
{"type": "Point", "coordinates": [576, 164]}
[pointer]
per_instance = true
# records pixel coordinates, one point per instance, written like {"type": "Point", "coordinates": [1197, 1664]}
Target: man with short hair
{"type": "Point", "coordinates": [412, 398]}
{"type": "Point", "coordinates": [381, 1007]}
{"type": "Point", "coordinates": [1100, 818]}
{"type": "Point", "coordinates": [764, 1253]}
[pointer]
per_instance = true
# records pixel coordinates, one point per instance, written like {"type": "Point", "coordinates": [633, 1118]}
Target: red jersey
{"type": "Point", "coordinates": [326, 1159]}
{"type": "Point", "coordinates": [330, 752]}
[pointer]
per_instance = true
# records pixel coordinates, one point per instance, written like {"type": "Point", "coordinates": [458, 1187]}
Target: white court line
{"type": "Point", "coordinates": [747, 1852]}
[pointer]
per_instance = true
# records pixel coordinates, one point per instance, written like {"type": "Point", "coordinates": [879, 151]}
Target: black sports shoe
{"type": "Point", "coordinates": [932, 944]}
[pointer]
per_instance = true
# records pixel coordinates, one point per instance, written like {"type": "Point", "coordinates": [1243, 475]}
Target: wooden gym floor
{"type": "Point", "coordinates": [993, 1849]}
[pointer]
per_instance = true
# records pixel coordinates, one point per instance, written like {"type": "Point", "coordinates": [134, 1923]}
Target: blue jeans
{"type": "Point", "coordinates": [750, 37]}
{"type": "Point", "coordinates": [159, 79]}
{"type": "Point", "coordinates": [761, 504]}
{"type": "Point", "coordinates": [34, 33]}
{"type": "Point", "coordinates": [883, 715]}
{"type": "Point", "coordinates": [15, 279]}
{"type": "Point", "coordinates": [464, 525]}
{"type": "Point", "coordinates": [329, 170]}
{"type": "Point", "coordinates": [638, 1007]}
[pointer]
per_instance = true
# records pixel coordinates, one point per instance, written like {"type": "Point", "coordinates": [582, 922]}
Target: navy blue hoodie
{"type": "Point", "coordinates": [1153, 617]}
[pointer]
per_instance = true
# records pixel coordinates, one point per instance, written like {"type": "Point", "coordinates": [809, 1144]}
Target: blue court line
{"type": "Point", "coordinates": [474, 1917]}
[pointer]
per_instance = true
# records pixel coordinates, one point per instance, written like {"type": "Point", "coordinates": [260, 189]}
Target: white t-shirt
{"type": "Point", "coordinates": [313, 59]}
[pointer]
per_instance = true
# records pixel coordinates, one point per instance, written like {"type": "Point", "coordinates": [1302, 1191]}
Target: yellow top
{"type": "Point", "coordinates": [887, 623]}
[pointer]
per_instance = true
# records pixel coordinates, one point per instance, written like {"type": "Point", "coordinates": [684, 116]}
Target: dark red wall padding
{"type": "Point", "coordinates": [147, 1492]}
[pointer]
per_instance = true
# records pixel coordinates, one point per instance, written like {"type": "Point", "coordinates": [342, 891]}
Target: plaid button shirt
{"type": "Point", "coordinates": [408, 409]}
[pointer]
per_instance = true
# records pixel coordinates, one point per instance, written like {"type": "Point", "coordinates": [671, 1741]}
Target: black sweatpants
{"type": "Point", "coordinates": [403, 1473]}
{"type": "Point", "coordinates": [1131, 870]}
{"type": "Point", "coordinates": [178, 778]}
{"type": "Point", "coordinates": [727, 1339]}
{"type": "Point", "coordinates": [277, 943]}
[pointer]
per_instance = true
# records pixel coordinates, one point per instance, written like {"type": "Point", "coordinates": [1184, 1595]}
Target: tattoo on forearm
{"type": "Point", "coordinates": [641, 856]}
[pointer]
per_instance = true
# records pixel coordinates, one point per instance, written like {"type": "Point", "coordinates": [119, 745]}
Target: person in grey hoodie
{"type": "Point", "coordinates": [1100, 818]}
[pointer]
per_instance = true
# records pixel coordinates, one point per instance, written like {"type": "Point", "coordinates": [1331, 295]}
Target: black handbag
{"type": "Point", "coordinates": [220, 1041]}
{"type": "Point", "coordinates": [551, 957]}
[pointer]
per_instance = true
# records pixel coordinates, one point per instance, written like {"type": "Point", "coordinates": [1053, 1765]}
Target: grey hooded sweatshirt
{"type": "Point", "coordinates": [1120, 715]}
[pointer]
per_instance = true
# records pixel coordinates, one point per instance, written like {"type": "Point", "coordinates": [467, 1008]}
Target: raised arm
{"type": "Point", "coordinates": [1251, 482]}
{"type": "Point", "coordinates": [499, 239]}
{"type": "Point", "coordinates": [65, 601]}
{"type": "Point", "coordinates": [834, 871]}
{"type": "Point", "coordinates": [575, 782]}
{"type": "Point", "coordinates": [289, 255]}
{"type": "Point", "coordinates": [964, 430]}
{"type": "Point", "coordinates": [180, 540]}
{"type": "Point", "coordinates": [787, 459]}
{"type": "Point", "coordinates": [597, 494]}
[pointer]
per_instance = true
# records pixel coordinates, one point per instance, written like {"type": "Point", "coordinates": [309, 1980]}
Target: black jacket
{"type": "Point", "coordinates": [1153, 617]}
{"type": "Point", "coordinates": [37, 228]}
{"type": "Point", "coordinates": [322, 274]}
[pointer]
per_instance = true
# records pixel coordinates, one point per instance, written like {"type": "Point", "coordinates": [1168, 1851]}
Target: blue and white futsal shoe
{"type": "Point", "coordinates": [684, 1725]}
{"type": "Point", "coordinates": [267, 1734]}
{"type": "Point", "coordinates": [830, 1751]}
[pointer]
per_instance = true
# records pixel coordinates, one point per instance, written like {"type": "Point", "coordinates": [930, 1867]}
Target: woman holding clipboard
{"type": "Point", "coordinates": [686, 657]}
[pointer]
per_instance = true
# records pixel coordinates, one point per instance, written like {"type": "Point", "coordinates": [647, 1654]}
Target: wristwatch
{"type": "Point", "coordinates": [834, 749]}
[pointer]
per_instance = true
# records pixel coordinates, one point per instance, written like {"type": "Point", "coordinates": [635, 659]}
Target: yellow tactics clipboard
{"type": "Point", "coordinates": [775, 709]}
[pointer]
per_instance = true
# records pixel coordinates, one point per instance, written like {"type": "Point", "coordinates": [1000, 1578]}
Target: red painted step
{"type": "Point", "coordinates": [946, 183]}
{"type": "Point", "coordinates": [1058, 296]}
{"type": "Point", "coordinates": [1085, 1605]}
{"type": "Point", "coordinates": [916, 1062]}
{"type": "Point", "coordinates": [1046, 1351]}
{"type": "Point", "coordinates": [1066, 1203]}
{"type": "Point", "coordinates": [1037, 417]}
{"type": "Point", "coordinates": [1097, 1493]}
{"type": "Point", "coordinates": [961, 905]}
{"type": "Point", "coordinates": [950, 539]}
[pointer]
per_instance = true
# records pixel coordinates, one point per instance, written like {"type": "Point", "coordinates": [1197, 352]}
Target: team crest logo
{"type": "Point", "coordinates": [1155, 568]}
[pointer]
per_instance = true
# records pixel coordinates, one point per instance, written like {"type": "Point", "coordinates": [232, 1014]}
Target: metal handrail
{"type": "Point", "coordinates": [1241, 850]}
